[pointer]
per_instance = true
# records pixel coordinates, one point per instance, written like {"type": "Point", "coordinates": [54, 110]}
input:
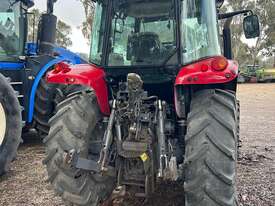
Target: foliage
{"type": "Point", "coordinates": [62, 35]}
{"type": "Point", "coordinates": [86, 26]}
{"type": "Point", "coordinates": [265, 44]}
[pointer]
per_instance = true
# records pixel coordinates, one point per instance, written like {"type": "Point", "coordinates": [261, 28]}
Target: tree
{"type": "Point", "coordinates": [86, 27]}
{"type": "Point", "coordinates": [62, 35]}
{"type": "Point", "coordinates": [238, 47]}
{"type": "Point", "coordinates": [267, 40]}
{"type": "Point", "coordinates": [63, 30]}
{"type": "Point", "coordinates": [265, 44]}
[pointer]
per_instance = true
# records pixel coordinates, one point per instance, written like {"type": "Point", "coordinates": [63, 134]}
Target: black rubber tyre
{"type": "Point", "coordinates": [239, 141]}
{"type": "Point", "coordinates": [64, 91]}
{"type": "Point", "coordinates": [210, 149]}
{"type": "Point", "coordinates": [11, 124]}
{"type": "Point", "coordinates": [44, 107]}
{"type": "Point", "coordinates": [46, 99]}
{"type": "Point", "coordinates": [77, 126]}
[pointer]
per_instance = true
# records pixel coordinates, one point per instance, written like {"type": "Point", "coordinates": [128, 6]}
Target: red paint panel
{"type": "Point", "coordinates": [202, 72]}
{"type": "Point", "coordinates": [83, 74]}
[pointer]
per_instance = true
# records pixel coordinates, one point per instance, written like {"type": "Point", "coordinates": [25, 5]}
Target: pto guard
{"type": "Point", "coordinates": [82, 74]}
{"type": "Point", "coordinates": [202, 73]}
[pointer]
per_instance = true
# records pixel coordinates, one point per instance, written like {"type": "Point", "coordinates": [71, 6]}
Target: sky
{"type": "Point", "coordinates": [72, 13]}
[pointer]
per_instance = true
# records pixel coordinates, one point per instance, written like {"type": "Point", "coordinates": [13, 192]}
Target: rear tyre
{"type": "Point", "coordinates": [44, 107]}
{"type": "Point", "coordinates": [10, 124]}
{"type": "Point", "coordinates": [239, 141]}
{"type": "Point", "coordinates": [76, 126]}
{"type": "Point", "coordinates": [210, 153]}
{"type": "Point", "coordinates": [47, 98]}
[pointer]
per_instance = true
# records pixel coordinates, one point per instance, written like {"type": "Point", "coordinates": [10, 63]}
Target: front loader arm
{"type": "Point", "coordinates": [83, 74]}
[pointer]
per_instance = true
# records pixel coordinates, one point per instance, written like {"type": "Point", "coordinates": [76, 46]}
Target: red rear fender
{"type": "Point", "coordinates": [83, 74]}
{"type": "Point", "coordinates": [210, 71]}
{"type": "Point", "coordinates": [203, 72]}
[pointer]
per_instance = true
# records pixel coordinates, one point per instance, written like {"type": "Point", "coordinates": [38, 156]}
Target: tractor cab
{"type": "Point", "coordinates": [156, 33]}
{"type": "Point", "coordinates": [13, 33]}
{"type": "Point", "coordinates": [158, 39]}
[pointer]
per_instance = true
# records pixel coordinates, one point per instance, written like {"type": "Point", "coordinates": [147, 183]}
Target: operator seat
{"type": "Point", "coordinates": [144, 47]}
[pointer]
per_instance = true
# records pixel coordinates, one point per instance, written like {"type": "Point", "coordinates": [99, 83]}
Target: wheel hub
{"type": "Point", "coordinates": [3, 124]}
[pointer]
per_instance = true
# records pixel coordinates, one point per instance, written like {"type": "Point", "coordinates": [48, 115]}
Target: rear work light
{"type": "Point", "coordinates": [57, 69]}
{"type": "Point", "coordinates": [219, 63]}
{"type": "Point", "coordinates": [61, 67]}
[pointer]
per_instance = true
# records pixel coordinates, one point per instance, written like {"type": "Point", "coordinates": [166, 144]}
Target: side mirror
{"type": "Point", "coordinates": [251, 26]}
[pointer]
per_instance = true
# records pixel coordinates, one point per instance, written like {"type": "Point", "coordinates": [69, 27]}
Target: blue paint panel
{"type": "Point", "coordinates": [11, 66]}
{"type": "Point", "coordinates": [36, 83]}
{"type": "Point", "coordinates": [31, 49]}
{"type": "Point", "coordinates": [72, 57]}
{"type": "Point", "coordinates": [63, 55]}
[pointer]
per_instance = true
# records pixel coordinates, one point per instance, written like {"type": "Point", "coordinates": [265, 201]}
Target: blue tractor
{"type": "Point", "coordinates": [26, 101]}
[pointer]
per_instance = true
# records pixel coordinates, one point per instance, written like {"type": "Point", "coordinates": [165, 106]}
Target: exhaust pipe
{"type": "Point", "coordinates": [46, 34]}
{"type": "Point", "coordinates": [47, 30]}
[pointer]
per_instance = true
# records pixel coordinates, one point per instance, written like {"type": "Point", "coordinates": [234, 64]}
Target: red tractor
{"type": "Point", "coordinates": [157, 102]}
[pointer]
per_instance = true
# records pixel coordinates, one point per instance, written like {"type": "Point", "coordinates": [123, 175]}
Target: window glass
{"type": "Point", "coordinates": [121, 31]}
{"type": "Point", "coordinates": [97, 34]}
{"type": "Point", "coordinates": [165, 29]}
{"type": "Point", "coordinates": [199, 30]}
{"type": "Point", "coordinates": [9, 30]}
{"type": "Point", "coordinates": [143, 33]}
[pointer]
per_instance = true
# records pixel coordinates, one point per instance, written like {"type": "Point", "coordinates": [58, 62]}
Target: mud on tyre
{"type": "Point", "coordinates": [76, 126]}
{"type": "Point", "coordinates": [210, 154]}
{"type": "Point", "coordinates": [10, 124]}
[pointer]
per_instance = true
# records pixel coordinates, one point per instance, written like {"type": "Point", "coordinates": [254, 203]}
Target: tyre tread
{"type": "Point", "coordinates": [209, 146]}
{"type": "Point", "coordinates": [66, 133]}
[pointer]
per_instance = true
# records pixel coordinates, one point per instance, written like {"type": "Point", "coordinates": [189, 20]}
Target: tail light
{"type": "Point", "coordinates": [219, 63]}
{"type": "Point", "coordinates": [61, 67]}
{"type": "Point", "coordinates": [57, 69]}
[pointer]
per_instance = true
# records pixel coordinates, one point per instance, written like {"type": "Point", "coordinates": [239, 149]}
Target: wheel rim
{"type": "Point", "coordinates": [3, 124]}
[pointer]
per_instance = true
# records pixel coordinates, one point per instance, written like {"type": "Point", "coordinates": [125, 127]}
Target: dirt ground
{"type": "Point", "coordinates": [26, 184]}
